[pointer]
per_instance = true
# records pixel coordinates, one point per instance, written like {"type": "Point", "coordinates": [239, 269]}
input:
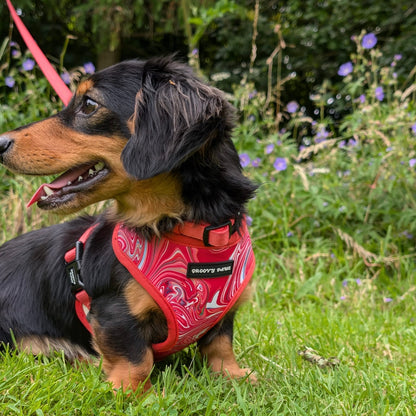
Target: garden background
{"type": "Point", "coordinates": [325, 92]}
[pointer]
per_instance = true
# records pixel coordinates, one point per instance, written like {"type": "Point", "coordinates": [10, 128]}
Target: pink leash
{"type": "Point", "coordinates": [48, 70]}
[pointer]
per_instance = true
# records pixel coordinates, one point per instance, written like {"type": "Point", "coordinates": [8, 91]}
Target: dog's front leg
{"type": "Point", "coordinates": [127, 356]}
{"type": "Point", "coordinates": [216, 347]}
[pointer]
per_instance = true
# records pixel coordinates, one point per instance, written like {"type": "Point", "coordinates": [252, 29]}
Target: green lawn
{"type": "Point", "coordinates": [308, 292]}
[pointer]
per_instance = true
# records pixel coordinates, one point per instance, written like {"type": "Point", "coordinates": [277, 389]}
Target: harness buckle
{"type": "Point", "coordinates": [73, 269]}
{"type": "Point", "coordinates": [223, 237]}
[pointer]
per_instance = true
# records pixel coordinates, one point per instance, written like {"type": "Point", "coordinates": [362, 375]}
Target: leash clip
{"type": "Point", "coordinates": [73, 269]}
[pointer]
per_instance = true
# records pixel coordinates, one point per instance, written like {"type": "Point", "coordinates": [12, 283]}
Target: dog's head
{"type": "Point", "coordinates": [150, 135]}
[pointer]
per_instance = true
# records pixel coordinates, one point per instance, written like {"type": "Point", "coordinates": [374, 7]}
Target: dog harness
{"type": "Point", "coordinates": [195, 274]}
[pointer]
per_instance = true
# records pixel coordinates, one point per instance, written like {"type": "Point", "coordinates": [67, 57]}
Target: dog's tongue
{"type": "Point", "coordinates": [63, 180]}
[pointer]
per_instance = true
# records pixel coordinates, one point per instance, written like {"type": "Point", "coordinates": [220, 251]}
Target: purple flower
{"type": "Point", "coordinates": [414, 128]}
{"type": "Point", "coordinates": [412, 162]}
{"type": "Point", "coordinates": [252, 95]}
{"type": "Point", "coordinates": [387, 300]}
{"type": "Point", "coordinates": [345, 283]}
{"type": "Point", "coordinates": [345, 69]}
{"type": "Point", "coordinates": [369, 41]}
{"type": "Point", "coordinates": [358, 281]}
{"type": "Point", "coordinates": [407, 235]}
{"type": "Point", "coordinates": [398, 56]}
{"type": "Point", "coordinates": [66, 78]}
{"type": "Point", "coordinates": [15, 53]}
{"type": "Point", "coordinates": [256, 162]}
{"type": "Point", "coordinates": [352, 142]}
{"type": "Point", "coordinates": [270, 147]}
{"type": "Point", "coordinates": [379, 93]}
{"type": "Point", "coordinates": [280, 164]}
{"type": "Point", "coordinates": [28, 64]}
{"type": "Point", "coordinates": [292, 107]}
{"type": "Point", "coordinates": [362, 98]}
{"type": "Point", "coordinates": [289, 234]}
{"type": "Point", "coordinates": [244, 160]}
{"type": "Point", "coordinates": [194, 52]}
{"type": "Point", "coordinates": [9, 81]}
{"type": "Point", "coordinates": [321, 135]}
{"type": "Point", "coordinates": [249, 220]}
{"type": "Point", "coordinates": [89, 68]}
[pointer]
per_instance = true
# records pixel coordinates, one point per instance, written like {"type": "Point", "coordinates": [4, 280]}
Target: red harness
{"type": "Point", "coordinates": [195, 274]}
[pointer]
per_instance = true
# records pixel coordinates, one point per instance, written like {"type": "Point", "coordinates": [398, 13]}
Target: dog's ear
{"type": "Point", "coordinates": [175, 115]}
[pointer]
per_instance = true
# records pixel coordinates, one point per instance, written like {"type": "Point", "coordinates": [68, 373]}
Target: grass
{"type": "Point", "coordinates": [311, 292]}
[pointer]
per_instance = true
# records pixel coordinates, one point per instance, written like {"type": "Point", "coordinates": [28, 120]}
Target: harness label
{"type": "Point", "coordinates": [206, 270]}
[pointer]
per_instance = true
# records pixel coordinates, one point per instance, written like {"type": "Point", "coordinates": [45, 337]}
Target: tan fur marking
{"type": "Point", "coordinates": [149, 200]}
{"type": "Point", "coordinates": [220, 357]}
{"type": "Point", "coordinates": [138, 300]}
{"type": "Point", "coordinates": [130, 124]}
{"type": "Point", "coordinates": [84, 87]}
{"type": "Point", "coordinates": [126, 375]}
{"type": "Point", "coordinates": [43, 345]}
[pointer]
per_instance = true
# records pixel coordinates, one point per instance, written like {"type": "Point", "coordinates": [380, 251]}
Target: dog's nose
{"type": "Point", "coordinates": [5, 143]}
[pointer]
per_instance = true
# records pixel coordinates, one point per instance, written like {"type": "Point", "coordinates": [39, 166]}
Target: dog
{"type": "Point", "coordinates": [155, 139]}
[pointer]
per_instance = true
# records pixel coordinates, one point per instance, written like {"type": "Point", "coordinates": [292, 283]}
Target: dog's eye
{"type": "Point", "coordinates": [88, 107]}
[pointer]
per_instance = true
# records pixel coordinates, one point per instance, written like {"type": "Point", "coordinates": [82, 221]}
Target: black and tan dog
{"type": "Point", "coordinates": [156, 140]}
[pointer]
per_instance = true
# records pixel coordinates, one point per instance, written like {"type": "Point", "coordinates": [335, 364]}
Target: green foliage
{"type": "Point", "coordinates": [28, 95]}
{"type": "Point", "coordinates": [110, 20]}
{"type": "Point", "coordinates": [333, 228]}
{"type": "Point", "coordinates": [336, 184]}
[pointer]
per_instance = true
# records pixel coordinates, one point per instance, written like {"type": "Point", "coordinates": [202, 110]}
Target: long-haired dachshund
{"type": "Point", "coordinates": [168, 264]}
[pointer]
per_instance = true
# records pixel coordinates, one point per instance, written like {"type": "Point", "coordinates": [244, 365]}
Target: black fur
{"type": "Point", "coordinates": [36, 298]}
{"type": "Point", "coordinates": [183, 126]}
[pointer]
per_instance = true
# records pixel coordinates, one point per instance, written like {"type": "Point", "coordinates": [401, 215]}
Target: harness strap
{"type": "Point", "coordinates": [211, 235]}
{"type": "Point", "coordinates": [48, 70]}
{"type": "Point", "coordinates": [73, 267]}
{"type": "Point", "coordinates": [71, 254]}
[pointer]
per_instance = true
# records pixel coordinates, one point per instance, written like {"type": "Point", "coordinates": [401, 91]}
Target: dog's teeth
{"type": "Point", "coordinates": [69, 183]}
{"type": "Point", "coordinates": [43, 197]}
{"type": "Point", "coordinates": [80, 179]}
{"type": "Point", "coordinates": [48, 191]}
{"type": "Point", "coordinates": [99, 166]}
{"type": "Point", "coordinates": [91, 172]}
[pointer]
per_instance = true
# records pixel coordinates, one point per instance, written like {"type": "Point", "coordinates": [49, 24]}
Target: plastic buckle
{"type": "Point", "coordinates": [209, 228]}
{"type": "Point", "coordinates": [73, 269]}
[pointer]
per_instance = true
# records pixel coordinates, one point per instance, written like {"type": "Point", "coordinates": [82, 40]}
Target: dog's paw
{"type": "Point", "coordinates": [237, 373]}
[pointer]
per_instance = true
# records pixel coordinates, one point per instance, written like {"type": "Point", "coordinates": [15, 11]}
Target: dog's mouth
{"type": "Point", "coordinates": [66, 186]}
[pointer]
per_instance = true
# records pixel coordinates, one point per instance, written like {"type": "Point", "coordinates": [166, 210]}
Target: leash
{"type": "Point", "coordinates": [48, 70]}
